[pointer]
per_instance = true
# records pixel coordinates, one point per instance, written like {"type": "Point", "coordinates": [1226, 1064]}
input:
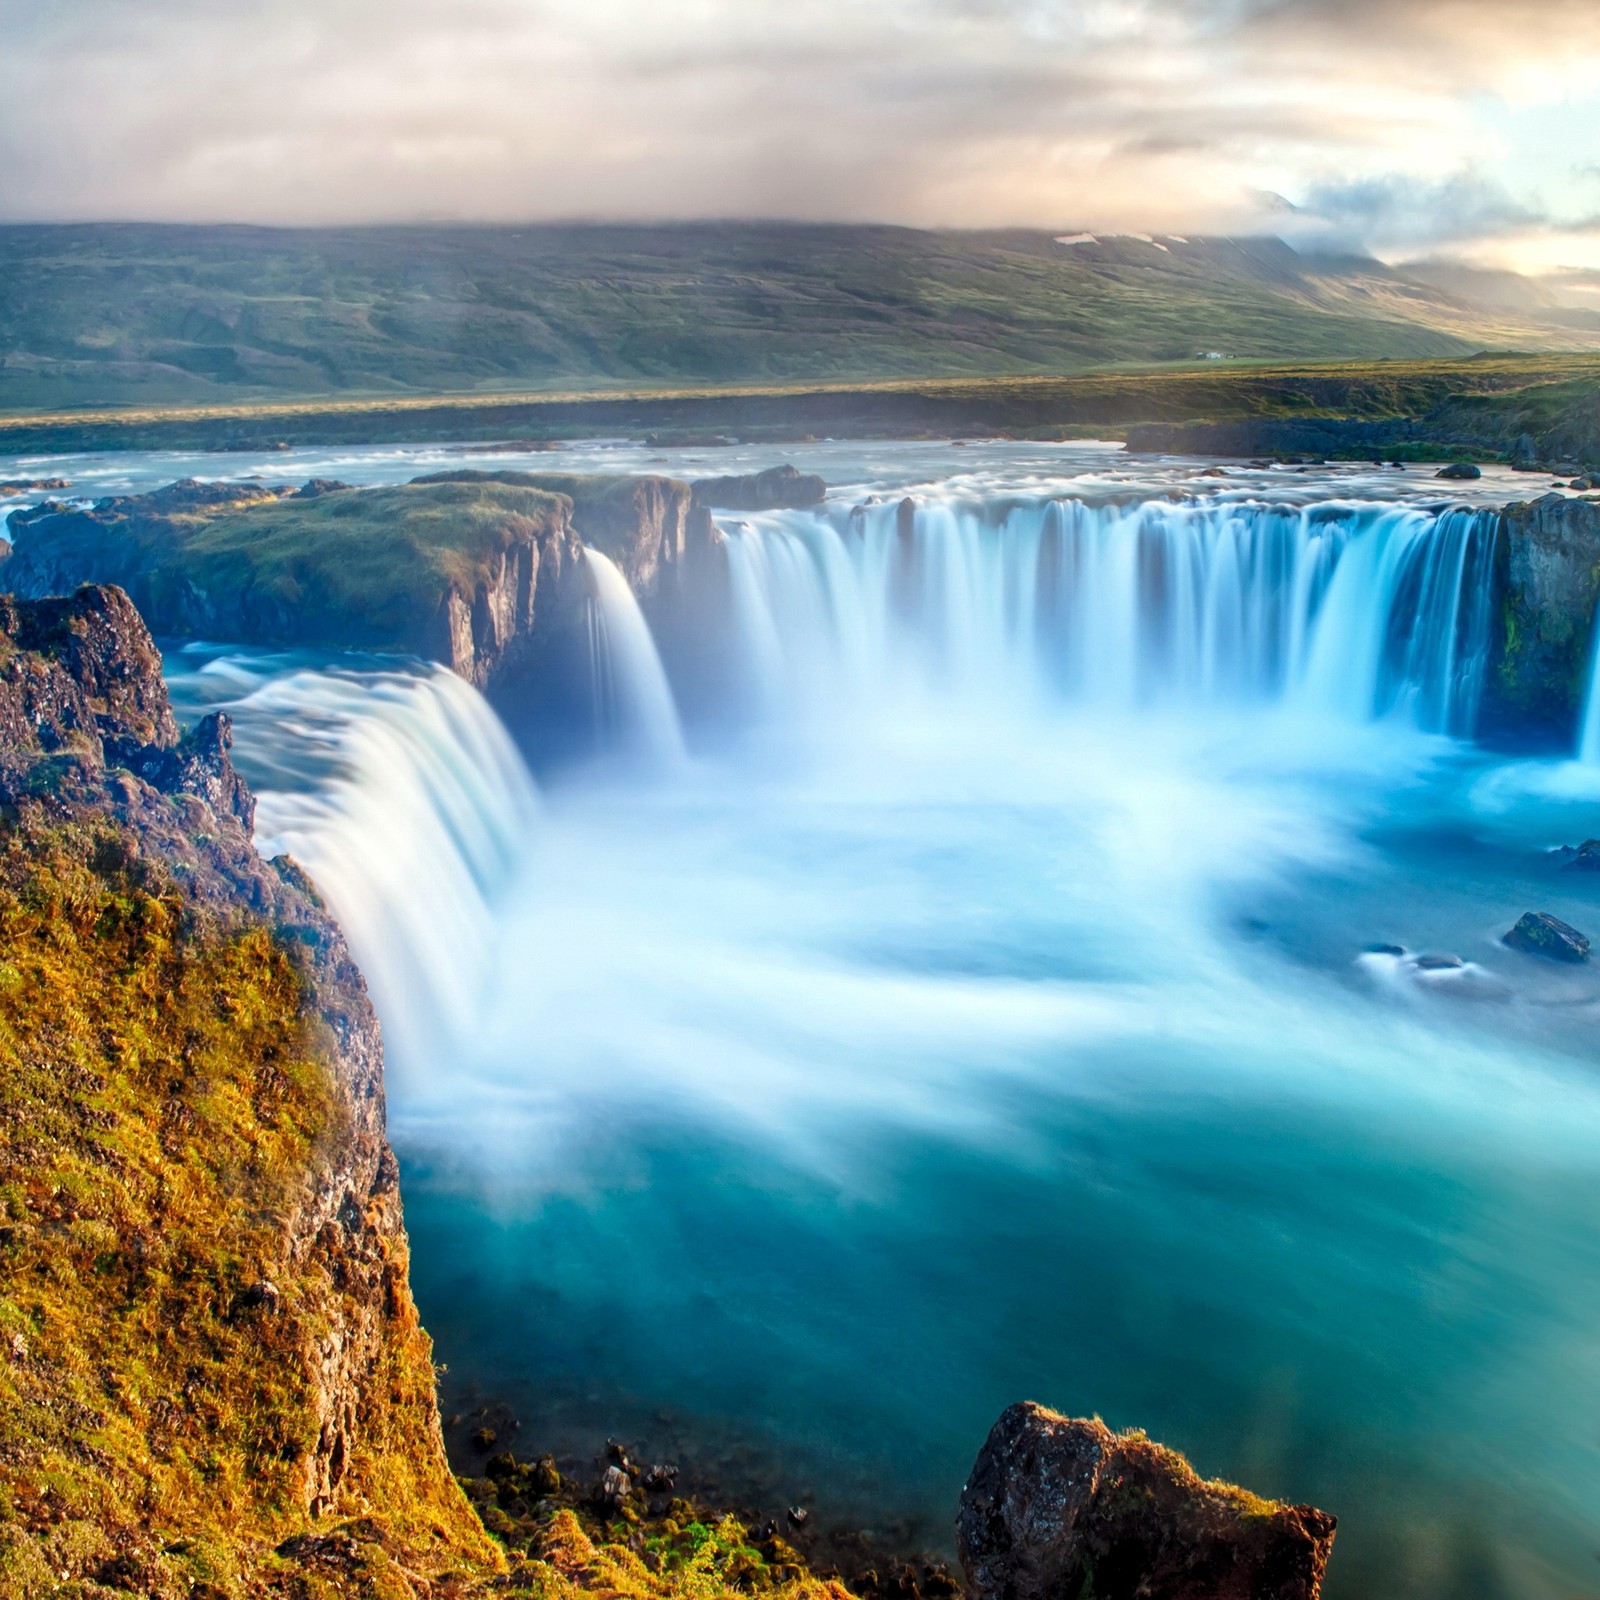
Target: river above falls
{"type": "Point", "coordinates": [977, 1016]}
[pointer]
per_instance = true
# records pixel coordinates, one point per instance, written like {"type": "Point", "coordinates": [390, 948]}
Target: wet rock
{"type": "Point", "coordinates": [1059, 1506]}
{"type": "Point", "coordinates": [1537, 933]}
{"type": "Point", "coordinates": [1547, 582]}
{"type": "Point", "coordinates": [776, 489]}
{"type": "Point", "coordinates": [1439, 963]}
{"type": "Point", "coordinates": [615, 1487]}
{"type": "Point", "coordinates": [1460, 470]}
{"type": "Point", "coordinates": [661, 1477]}
{"type": "Point", "coordinates": [485, 1439]}
{"type": "Point", "coordinates": [1584, 858]}
{"type": "Point", "coordinates": [1383, 950]}
{"type": "Point", "coordinates": [543, 1476]}
{"type": "Point", "coordinates": [798, 1516]}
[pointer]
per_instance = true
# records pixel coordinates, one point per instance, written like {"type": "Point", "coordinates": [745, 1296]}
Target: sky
{"type": "Point", "coordinates": [1407, 127]}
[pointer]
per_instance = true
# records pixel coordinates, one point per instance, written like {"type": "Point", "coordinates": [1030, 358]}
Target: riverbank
{"type": "Point", "coordinates": [1094, 404]}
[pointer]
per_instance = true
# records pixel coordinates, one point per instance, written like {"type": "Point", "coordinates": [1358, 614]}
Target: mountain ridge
{"type": "Point", "coordinates": [129, 313]}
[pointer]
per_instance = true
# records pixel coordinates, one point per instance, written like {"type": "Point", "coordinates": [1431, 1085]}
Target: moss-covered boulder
{"type": "Point", "coordinates": [1058, 1506]}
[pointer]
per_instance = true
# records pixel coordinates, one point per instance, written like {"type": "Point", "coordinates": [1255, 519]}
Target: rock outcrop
{"type": "Point", "coordinates": [783, 488]}
{"type": "Point", "coordinates": [458, 573]}
{"type": "Point", "coordinates": [215, 1354]}
{"type": "Point", "coordinates": [650, 526]}
{"type": "Point", "coordinates": [1058, 1506]}
{"type": "Point", "coordinates": [1547, 578]}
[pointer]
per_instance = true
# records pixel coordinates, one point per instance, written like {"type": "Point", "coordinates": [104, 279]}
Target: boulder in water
{"type": "Point", "coordinates": [782, 488]}
{"type": "Point", "coordinates": [1537, 933]}
{"type": "Point", "coordinates": [1460, 469]}
{"type": "Point", "coordinates": [1581, 858]}
{"type": "Point", "coordinates": [1060, 1506]}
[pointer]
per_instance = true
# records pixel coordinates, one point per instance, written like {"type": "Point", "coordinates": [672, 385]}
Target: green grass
{"type": "Point", "coordinates": [129, 313]}
{"type": "Point", "coordinates": [361, 568]}
{"type": "Point", "coordinates": [380, 558]}
{"type": "Point", "coordinates": [1100, 403]}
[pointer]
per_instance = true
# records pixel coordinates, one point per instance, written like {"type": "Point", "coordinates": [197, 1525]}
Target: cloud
{"type": "Point", "coordinates": [1403, 211]}
{"type": "Point", "coordinates": [1150, 115]}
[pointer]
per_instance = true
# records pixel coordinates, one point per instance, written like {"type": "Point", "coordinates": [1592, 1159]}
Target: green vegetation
{"type": "Point", "coordinates": [127, 313]}
{"type": "Point", "coordinates": [165, 1097]}
{"type": "Point", "coordinates": [359, 568]}
{"type": "Point", "coordinates": [561, 1537]}
{"type": "Point", "coordinates": [367, 562]}
{"type": "Point", "coordinates": [1097, 404]}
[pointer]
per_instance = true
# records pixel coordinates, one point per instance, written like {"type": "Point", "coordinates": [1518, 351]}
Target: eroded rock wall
{"type": "Point", "coordinates": [203, 1263]}
{"type": "Point", "coordinates": [1547, 583]}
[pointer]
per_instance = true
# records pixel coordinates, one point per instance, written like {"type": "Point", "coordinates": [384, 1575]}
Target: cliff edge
{"type": "Point", "coordinates": [213, 1381]}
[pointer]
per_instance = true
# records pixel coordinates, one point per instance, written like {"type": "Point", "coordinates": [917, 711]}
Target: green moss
{"type": "Point", "coordinates": [165, 1102]}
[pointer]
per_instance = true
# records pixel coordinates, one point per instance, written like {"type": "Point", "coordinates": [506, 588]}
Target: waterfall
{"type": "Point", "coordinates": [1589, 721]}
{"type": "Point", "coordinates": [1359, 609]}
{"type": "Point", "coordinates": [412, 815]}
{"type": "Point", "coordinates": [632, 697]}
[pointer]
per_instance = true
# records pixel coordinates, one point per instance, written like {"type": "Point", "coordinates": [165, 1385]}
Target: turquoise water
{"type": "Point", "coordinates": [799, 1104]}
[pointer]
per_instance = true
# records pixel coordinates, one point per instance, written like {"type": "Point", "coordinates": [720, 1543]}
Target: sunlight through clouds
{"type": "Point", "coordinates": [1132, 115]}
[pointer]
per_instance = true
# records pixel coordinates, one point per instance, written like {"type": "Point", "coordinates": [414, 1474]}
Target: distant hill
{"type": "Point", "coordinates": [144, 314]}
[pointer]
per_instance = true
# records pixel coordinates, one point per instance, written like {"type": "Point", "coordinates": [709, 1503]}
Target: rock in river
{"type": "Point", "coordinates": [1459, 469]}
{"type": "Point", "coordinates": [1058, 1506]}
{"type": "Point", "coordinates": [1537, 933]}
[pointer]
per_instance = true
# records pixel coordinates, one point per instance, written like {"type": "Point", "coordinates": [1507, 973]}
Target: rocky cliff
{"type": "Point", "coordinates": [460, 573]}
{"type": "Point", "coordinates": [650, 526]}
{"type": "Point", "coordinates": [211, 1369]}
{"type": "Point", "coordinates": [1547, 582]}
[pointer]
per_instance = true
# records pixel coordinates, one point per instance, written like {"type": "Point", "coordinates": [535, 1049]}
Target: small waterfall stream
{"type": "Point", "coordinates": [633, 700]}
{"type": "Point", "coordinates": [403, 797]}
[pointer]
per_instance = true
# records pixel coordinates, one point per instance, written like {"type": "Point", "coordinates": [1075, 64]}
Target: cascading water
{"type": "Point", "coordinates": [1025, 1045]}
{"type": "Point", "coordinates": [1589, 720]}
{"type": "Point", "coordinates": [632, 697]}
{"type": "Point", "coordinates": [1341, 607]}
{"type": "Point", "coordinates": [402, 796]}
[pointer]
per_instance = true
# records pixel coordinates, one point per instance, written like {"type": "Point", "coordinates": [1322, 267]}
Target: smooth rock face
{"type": "Point", "coordinates": [1537, 933]}
{"type": "Point", "coordinates": [1061, 1508]}
{"type": "Point", "coordinates": [1463, 470]}
{"type": "Point", "coordinates": [1547, 581]}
